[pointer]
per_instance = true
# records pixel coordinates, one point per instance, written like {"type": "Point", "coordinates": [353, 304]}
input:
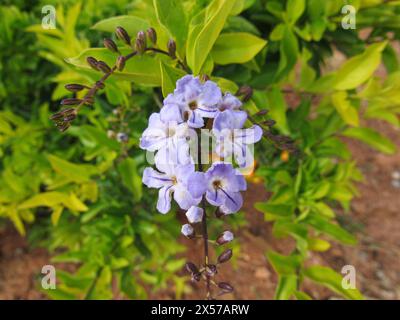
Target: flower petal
{"type": "Point", "coordinates": [164, 199]}
{"type": "Point", "coordinates": [194, 214]}
{"type": "Point", "coordinates": [197, 184]}
{"type": "Point", "coordinates": [155, 179]}
{"type": "Point", "coordinates": [183, 197]}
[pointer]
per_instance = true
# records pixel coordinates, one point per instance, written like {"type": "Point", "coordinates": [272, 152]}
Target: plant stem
{"type": "Point", "coordinates": [183, 66]}
{"type": "Point", "coordinates": [204, 225]}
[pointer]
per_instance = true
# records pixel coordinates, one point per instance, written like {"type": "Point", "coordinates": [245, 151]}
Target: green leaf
{"type": "Point", "coordinates": [316, 244]}
{"type": "Point", "coordinates": [333, 230]}
{"type": "Point", "coordinates": [171, 15]}
{"type": "Point", "coordinates": [131, 24]}
{"type": "Point", "coordinates": [280, 210]}
{"type": "Point", "coordinates": [289, 51]}
{"type": "Point", "coordinates": [237, 47]}
{"type": "Point", "coordinates": [301, 295]}
{"type": "Point", "coordinates": [284, 265]}
{"type": "Point", "coordinates": [372, 138]}
{"type": "Point", "coordinates": [169, 76]}
{"type": "Point", "coordinates": [287, 285]}
{"type": "Point", "coordinates": [142, 69]}
{"type": "Point", "coordinates": [277, 109]}
{"type": "Point", "coordinates": [74, 172]}
{"type": "Point", "coordinates": [331, 279]}
{"type": "Point", "coordinates": [294, 10]}
{"type": "Point", "coordinates": [130, 177]}
{"type": "Point", "coordinates": [360, 68]}
{"type": "Point", "coordinates": [346, 110]}
{"type": "Point", "coordinates": [204, 30]}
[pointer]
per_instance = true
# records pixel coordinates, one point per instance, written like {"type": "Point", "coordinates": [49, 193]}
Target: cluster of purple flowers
{"type": "Point", "coordinates": [190, 107]}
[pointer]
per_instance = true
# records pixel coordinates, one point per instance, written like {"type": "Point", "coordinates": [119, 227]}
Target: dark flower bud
{"type": "Point", "coordinates": [211, 270]}
{"type": "Point", "coordinates": [225, 237]}
{"type": "Point", "coordinates": [122, 137]}
{"type": "Point", "coordinates": [269, 122]}
{"type": "Point", "coordinates": [61, 114]}
{"type": "Point", "coordinates": [262, 112]}
{"type": "Point", "coordinates": [246, 92]}
{"type": "Point", "coordinates": [110, 45]}
{"type": "Point", "coordinates": [225, 256]}
{"type": "Point", "coordinates": [225, 287]}
{"type": "Point", "coordinates": [172, 48]}
{"type": "Point", "coordinates": [70, 117]}
{"type": "Point", "coordinates": [191, 267]}
{"type": "Point", "coordinates": [62, 126]}
{"type": "Point", "coordinates": [70, 101]}
{"type": "Point", "coordinates": [103, 66]}
{"type": "Point", "coordinates": [152, 34]}
{"type": "Point", "coordinates": [140, 46]}
{"type": "Point", "coordinates": [142, 36]}
{"type": "Point", "coordinates": [73, 87]}
{"type": "Point", "coordinates": [196, 276]}
{"type": "Point", "coordinates": [123, 35]}
{"type": "Point", "coordinates": [120, 63]}
{"type": "Point", "coordinates": [92, 62]}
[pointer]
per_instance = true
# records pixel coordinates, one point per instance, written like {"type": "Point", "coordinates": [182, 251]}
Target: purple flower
{"type": "Point", "coordinates": [173, 180]}
{"type": "Point", "coordinates": [232, 140]}
{"type": "Point", "coordinates": [187, 230]}
{"type": "Point", "coordinates": [223, 186]}
{"type": "Point", "coordinates": [191, 102]}
{"type": "Point", "coordinates": [225, 237]}
{"type": "Point", "coordinates": [194, 214]}
{"type": "Point", "coordinates": [160, 134]}
{"type": "Point", "coordinates": [229, 102]}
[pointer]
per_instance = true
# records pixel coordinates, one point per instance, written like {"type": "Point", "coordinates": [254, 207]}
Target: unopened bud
{"type": "Point", "coordinates": [122, 137]}
{"type": "Point", "coordinates": [225, 287]}
{"type": "Point", "coordinates": [123, 35]}
{"type": "Point", "coordinates": [269, 122]}
{"type": "Point", "coordinates": [103, 66]}
{"type": "Point", "coordinates": [140, 46]}
{"type": "Point", "coordinates": [152, 34]}
{"type": "Point", "coordinates": [211, 270]}
{"type": "Point", "coordinates": [120, 63]}
{"type": "Point", "coordinates": [110, 45]}
{"type": "Point", "coordinates": [225, 256]}
{"type": "Point", "coordinates": [172, 48]}
{"type": "Point", "coordinates": [262, 112]}
{"type": "Point", "coordinates": [194, 214]}
{"type": "Point", "coordinates": [63, 113]}
{"type": "Point", "coordinates": [246, 92]}
{"type": "Point", "coordinates": [70, 101]}
{"type": "Point", "coordinates": [187, 230]}
{"type": "Point", "coordinates": [73, 87]}
{"type": "Point", "coordinates": [142, 36]}
{"type": "Point", "coordinates": [63, 126]}
{"type": "Point", "coordinates": [92, 62]}
{"type": "Point", "coordinates": [225, 237]}
{"type": "Point", "coordinates": [191, 267]}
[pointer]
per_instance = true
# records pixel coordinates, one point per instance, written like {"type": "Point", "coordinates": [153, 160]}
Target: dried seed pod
{"type": "Point", "coordinates": [92, 62]}
{"type": "Point", "coordinates": [103, 66]}
{"type": "Point", "coordinates": [225, 256]}
{"type": "Point", "coordinates": [191, 267]}
{"type": "Point", "coordinates": [123, 35]}
{"type": "Point", "coordinates": [120, 63]}
{"type": "Point", "coordinates": [110, 45]}
{"type": "Point", "coordinates": [140, 46]}
{"type": "Point", "coordinates": [73, 87]}
{"type": "Point", "coordinates": [225, 237]}
{"type": "Point", "coordinates": [141, 35]}
{"type": "Point", "coordinates": [172, 48]}
{"type": "Point", "coordinates": [70, 101]}
{"type": "Point", "coordinates": [225, 287]}
{"type": "Point", "coordinates": [246, 92]}
{"type": "Point", "coordinates": [211, 270]}
{"type": "Point", "coordinates": [152, 34]}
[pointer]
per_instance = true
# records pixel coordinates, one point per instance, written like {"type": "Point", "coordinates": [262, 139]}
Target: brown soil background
{"type": "Point", "coordinates": [375, 214]}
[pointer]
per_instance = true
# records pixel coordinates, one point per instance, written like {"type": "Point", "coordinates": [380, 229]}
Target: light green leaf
{"type": "Point", "coordinates": [277, 109]}
{"type": "Point", "coordinates": [294, 10]}
{"type": "Point", "coordinates": [131, 24]}
{"type": "Point", "coordinates": [204, 30]}
{"type": "Point", "coordinates": [346, 110]}
{"type": "Point", "coordinates": [142, 69]}
{"type": "Point", "coordinates": [237, 47]}
{"type": "Point", "coordinates": [316, 244]}
{"type": "Point", "coordinates": [284, 265]}
{"type": "Point", "coordinates": [372, 138]}
{"type": "Point", "coordinates": [331, 279]}
{"type": "Point", "coordinates": [74, 172]}
{"type": "Point", "coordinates": [301, 295]}
{"type": "Point", "coordinates": [287, 285]}
{"type": "Point", "coordinates": [130, 177]}
{"type": "Point", "coordinates": [169, 76]}
{"type": "Point", "coordinates": [171, 15]}
{"type": "Point", "coordinates": [360, 68]}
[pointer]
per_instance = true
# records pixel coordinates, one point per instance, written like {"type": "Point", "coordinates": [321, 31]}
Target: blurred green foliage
{"type": "Point", "coordinates": [79, 194]}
